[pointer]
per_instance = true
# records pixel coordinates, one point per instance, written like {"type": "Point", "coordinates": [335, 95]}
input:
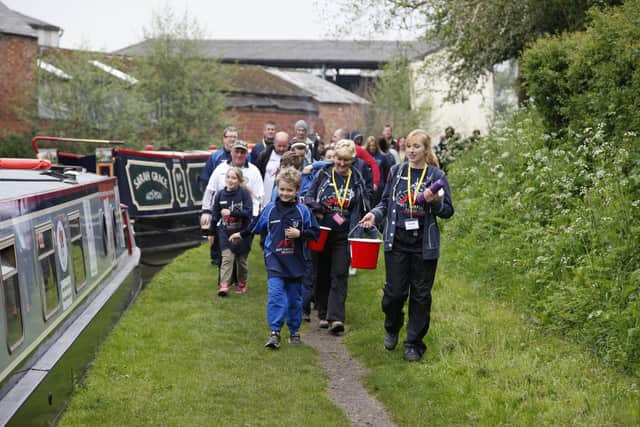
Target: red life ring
{"type": "Point", "coordinates": [34, 164]}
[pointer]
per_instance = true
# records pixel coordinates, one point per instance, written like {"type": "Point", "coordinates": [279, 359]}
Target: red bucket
{"type": "Point", "coordinates": [364, 253]}
{"type": "Point", "coordinates": [318, 245]}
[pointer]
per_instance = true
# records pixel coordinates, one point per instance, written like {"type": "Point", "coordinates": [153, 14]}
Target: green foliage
{"type": "Point", "coordinates": [390, 100]}
{"type": "Point", "coordinates": [16, 146]}
{"type": "Point", "coordinates": [580, 80]}
{"type": "Point", "coordinates": [477, 35]}
{"type": "Point", "coordinates": [184, 90]}
{"type": "Point", "coordinates": [90, 103]}
{"type": "Point", "coordinates": [561, 223]}
{"type": "Point", "coordinates": [175, 102]}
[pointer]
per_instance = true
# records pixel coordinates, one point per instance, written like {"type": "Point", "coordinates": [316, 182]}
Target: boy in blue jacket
{"type": "Point", "coordinates": [288, 224]}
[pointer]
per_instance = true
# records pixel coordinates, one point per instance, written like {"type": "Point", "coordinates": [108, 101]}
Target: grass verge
{"type": "Point", "coordinates": [486, 364]}
{"type": "Point", "coordinates": [183, 356]}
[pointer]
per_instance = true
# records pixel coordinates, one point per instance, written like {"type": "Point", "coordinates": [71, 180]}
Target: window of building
{"type": "Point", "coordinates": [77, 251]}
{"type": "Point", "coordinates": [48, 274]}
{"type": "Point", "coordinates": [11, 294]}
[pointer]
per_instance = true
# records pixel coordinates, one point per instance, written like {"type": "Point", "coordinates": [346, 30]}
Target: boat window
{"type": "Point", "coordinates": [47, 266]}
{"type": "Point", "coordinates": [11, 295]}
{"type": "Point", "coordinates": [115, 231]}
{"type": "Point", "coordinates": [104, 233]}
{"type": "Point", "coordinates": [77, 251]}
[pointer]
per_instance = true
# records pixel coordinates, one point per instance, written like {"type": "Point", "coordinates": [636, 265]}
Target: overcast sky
{"type": "Point", "coordinates": [113, 24]}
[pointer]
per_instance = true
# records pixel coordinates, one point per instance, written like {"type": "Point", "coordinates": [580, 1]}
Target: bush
{"type": "Point", "coordinates": [562, 227]}
{"type": "Point", "coordinates": [580, 80]}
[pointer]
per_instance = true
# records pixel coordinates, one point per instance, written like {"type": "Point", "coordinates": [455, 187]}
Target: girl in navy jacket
{"type": "Point", "coordinates": [409, 207]}
{"type": "Point", "coordinates": [232, 208]}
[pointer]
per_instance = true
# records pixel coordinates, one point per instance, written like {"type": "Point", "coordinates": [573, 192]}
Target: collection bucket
{"type": "Point", "coordinates": [364, 253]}
{"type": "Point", "coordinates": [318, 245]}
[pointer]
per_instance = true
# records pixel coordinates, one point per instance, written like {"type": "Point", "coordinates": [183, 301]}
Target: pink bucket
{"type": "Point", "coordinates": [318, 245]}
{"type": "Point", "coordinates": [364, 253]}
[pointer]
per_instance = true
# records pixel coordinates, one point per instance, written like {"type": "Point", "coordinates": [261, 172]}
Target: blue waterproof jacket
{"type": "Point", "coordinates": [386, 210]}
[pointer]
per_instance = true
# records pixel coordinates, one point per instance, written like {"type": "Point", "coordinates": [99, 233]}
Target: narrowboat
{"type": "Point", "coordinates": [161, 188]}
{"type": "Point", "coordinates": [69, 268]}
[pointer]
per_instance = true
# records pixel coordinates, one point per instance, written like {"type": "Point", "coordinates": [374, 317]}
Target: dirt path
{"type": "Point", "coordinates": [346, 375]}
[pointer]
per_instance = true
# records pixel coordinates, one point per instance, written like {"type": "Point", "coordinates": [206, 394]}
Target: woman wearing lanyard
{"type": "Point", "coordinates": [409, 206]}
{"type": "Point", "coordinates": [338, 199]}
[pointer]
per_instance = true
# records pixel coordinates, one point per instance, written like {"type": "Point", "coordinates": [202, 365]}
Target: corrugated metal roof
{"type": "Point", "coordinates": [323, 91]}
{"type": "Point", "coordinates": [307, 53]}
{"type": "Point", "coordinates": [14, 23]}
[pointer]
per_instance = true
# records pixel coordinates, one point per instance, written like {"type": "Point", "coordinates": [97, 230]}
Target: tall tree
{"type": "Point", "coordinates": [184, 90]}
{"type": "Point", "coordinates": [170, 95]}
{"type": "Point", "coordinates": [477, 34]}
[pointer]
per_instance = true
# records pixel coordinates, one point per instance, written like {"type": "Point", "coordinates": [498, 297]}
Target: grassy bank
{"type": "Point", "coordinates": [183, 356]}
{"type": "Point", "coordinates": [486, 364]}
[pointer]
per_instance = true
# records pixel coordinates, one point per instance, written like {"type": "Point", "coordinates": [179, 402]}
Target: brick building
{"type": "Point", "coordinates": [20, 38]}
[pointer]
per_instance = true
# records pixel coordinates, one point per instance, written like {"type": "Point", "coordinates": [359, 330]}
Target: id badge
{"type": "Point", "coordinates": [411, 224]}
{"type": "Point", "coordinates": [337, 218]}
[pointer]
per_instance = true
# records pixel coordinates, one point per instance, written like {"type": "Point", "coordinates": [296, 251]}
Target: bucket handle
{"type": "Point", "coordinates": [367, 230]}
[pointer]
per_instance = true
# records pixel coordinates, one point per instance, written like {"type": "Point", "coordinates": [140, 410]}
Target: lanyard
{"type": "Point", "coordinates": [412, 199]}
{"type": "Point", "coordinates": [342, 200]}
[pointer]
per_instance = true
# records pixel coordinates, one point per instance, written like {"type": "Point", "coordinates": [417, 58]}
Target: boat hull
{"type": "Point", "coordinates": [40, 391]}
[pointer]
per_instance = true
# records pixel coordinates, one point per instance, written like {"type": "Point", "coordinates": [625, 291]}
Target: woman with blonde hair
{"type": "Point", "coordinates": [416, 192]}
{"type": "Point", "coordinates": [338, 197]}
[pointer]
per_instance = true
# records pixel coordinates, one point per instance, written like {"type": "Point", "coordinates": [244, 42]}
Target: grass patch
{"type": "Point", "coordinates": [485, 365]}
{"type": "Point", "coordinates": [183, 356]}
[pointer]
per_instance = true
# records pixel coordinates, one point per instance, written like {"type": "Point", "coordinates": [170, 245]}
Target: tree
{"type": "Point", "coordinates": [79, 99]}
{"type": "Point", "coordinates": [391, 101]}
{"type": "Point", "coordinates": [477, 34]}
{"type": "Point", "coordinates": [170, 96]}
{"type": "Point", "coordinates": [183, 88]}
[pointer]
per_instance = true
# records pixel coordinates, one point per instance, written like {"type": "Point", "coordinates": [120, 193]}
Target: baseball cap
{"type": "Point", "coordinates": [240, 144]}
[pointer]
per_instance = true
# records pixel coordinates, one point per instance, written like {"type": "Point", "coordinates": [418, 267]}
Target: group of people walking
{"type": "Point", "coordinates": [286, 189]}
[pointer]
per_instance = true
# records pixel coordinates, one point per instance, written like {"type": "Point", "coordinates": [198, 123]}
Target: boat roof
{"type": "Point", "coordinates": [18, 183]}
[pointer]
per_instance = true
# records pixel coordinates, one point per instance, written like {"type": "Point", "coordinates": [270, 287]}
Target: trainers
{"type": "Point", "coordinates": [223, 289]}
{"type": "Point", "coordinates": [353, 271]}
{"type": "Point", "coordinates": [323, 324]}
{"type": "Point", "coordinates": [294, 339]}
{"type": "Point", "coordinates": [241, 288]}
{"type": "Point", "coordinates": [306, 317]}
{"type": "Point", "coordinates": [336, 327]}
{"type": "Point", "coordinates": [411, 354]}
{"type": "Point", "coordinates": [274, 340]}
{"type": "Point", "coordinates": [390, 340]}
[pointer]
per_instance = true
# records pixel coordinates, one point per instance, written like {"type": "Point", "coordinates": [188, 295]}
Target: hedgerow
{"type": "Point", "coordinates": [555, 228]}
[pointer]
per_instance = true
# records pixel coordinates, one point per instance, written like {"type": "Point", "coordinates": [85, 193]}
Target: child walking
{"type": "Point", "coordinates": [232, 206]}
{"type": "Point", "coordinates": [288, 224]}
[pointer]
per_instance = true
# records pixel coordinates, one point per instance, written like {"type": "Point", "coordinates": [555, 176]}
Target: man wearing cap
{"type": "Point", "coordinates": [301, 130]}
{"type": "Point", "coordinates": [252, 178]}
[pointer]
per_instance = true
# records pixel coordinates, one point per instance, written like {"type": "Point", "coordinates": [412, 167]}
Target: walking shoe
{"type": "Point", "coordinates": [411, 354]}
{"type": "Point", "coordinates": [336, 327]}
{"type": "Point", "coordinates": [306, 317]}
{"type": "Point", "coordinates": [390, 340]}
{"type": "Point", "coordinates": [274, 340]}
{"type": "Point", "coordinates": [241, 288]}
{"type": "Point", "coordinates": [294, 339]}
{"type": "Point", "coordinates": [323, 324]}
{"type": "Point", "coordinates": [223, 289]}
{"type": "Point", "coordinates": [353, 271]}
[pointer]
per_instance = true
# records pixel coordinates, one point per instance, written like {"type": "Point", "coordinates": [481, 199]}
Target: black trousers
{"type": "Point", "coordinates": [408, 275]}
{"type": "Point", "coordinates": [333, 272]}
